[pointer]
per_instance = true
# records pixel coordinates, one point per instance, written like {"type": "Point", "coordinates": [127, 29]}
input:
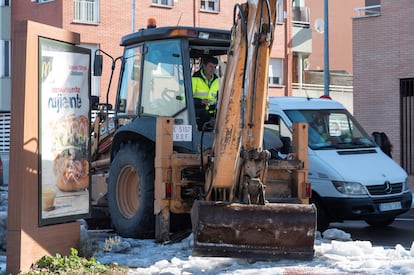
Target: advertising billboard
{"type": "Point", "coordinates": [64, 122]}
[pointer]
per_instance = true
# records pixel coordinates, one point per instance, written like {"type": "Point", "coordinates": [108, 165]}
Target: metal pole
{"type": "Point", "coordinates": [326, 49]}
{"type": "Point", "coordinates": [133, 16]}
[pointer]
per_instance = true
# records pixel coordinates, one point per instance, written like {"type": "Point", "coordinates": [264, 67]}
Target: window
{"type": "Point", "coordinates": [45, 1]}
{"type": "Point", "coordinates": [156, 70]}
{"type": "Point", "coordinates": [279, 15]}
{"type": "Point", "coordinates": [162, 79]}
{"type": "Point", "coordinates": [331, 129]}
{"type": "Point", "coordinates": [131, 81]}
{"type": "Point", "coordinates": [4, 3]}
{"type": "Point", "coordinates": [86, 11]}
{"type": "Point", "coordinates": [163, 2]}
{"type": "Point", "coordinates": [275, 71]}
{"type": "Point", "coordinates": [210, 5]}
{"type": "Point", "coordinates": [5, 58]}
{"type": "Point", "coordinates": [5, 132]}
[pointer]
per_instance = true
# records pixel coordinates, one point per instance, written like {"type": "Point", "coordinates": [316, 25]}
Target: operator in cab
{"type": "Point", "coordinates": [205, 90]}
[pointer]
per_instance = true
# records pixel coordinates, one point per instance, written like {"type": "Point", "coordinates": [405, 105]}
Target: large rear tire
{"type": "Point", "coordinates": [131, 191]}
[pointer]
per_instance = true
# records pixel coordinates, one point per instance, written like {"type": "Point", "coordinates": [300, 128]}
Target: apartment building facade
{"type": "Point", "coordinates": [101, 25]}
{"type": "Point", "coordinates": [383, 65]}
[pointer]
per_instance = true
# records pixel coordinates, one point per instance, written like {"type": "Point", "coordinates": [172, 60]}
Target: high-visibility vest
{"type": "Point", "coordinates": [203, 88]}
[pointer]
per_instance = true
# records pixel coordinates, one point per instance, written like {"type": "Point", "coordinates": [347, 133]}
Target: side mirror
{"type": "Point", "coordinates": [94, 102]}
{"type": "Point", "coordinates": [287, 145]}
{"type": "Point", "coordinates": [97, 65]}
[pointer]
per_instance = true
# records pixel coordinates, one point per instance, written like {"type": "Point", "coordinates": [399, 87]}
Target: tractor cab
{"type": "Point", "coordinates": [156, 72]}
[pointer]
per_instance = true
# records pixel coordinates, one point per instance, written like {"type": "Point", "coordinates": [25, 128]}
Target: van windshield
{"type": "Point", "coordinates": [332, 129]}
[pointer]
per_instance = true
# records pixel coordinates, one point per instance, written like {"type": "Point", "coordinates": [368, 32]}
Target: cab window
{"type": "Point", "coordinates": [131, 81]}
{"type": "Point", "coordinates": [163, 91]}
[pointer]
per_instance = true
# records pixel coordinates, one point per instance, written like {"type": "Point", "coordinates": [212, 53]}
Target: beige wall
{"type": "Point", "coordinates": [340, 33]}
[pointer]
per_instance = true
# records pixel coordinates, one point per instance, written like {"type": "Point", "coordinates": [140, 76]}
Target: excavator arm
{"type": "Point", "coordinates": [235, 219]}
{"type": "Point", "coordinates": [242, 106]}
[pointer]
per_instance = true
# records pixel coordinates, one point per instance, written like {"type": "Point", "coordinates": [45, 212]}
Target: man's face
{"type": "Point", "coordinates": [209, 69]}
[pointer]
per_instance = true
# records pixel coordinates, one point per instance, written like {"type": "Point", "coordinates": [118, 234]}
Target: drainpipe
{"type": "Point", "coordinates": [133, 16]}
{"type": "Point", "coordinates": [300, 70]}
{"type": "Point", "coordinates": [194, 13]}
{"type": "Point", "coordinates": [326, 50]}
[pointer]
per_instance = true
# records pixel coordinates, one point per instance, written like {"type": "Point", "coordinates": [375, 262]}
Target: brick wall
{"type": "Point", "coordinates": [383, 53]}
{"type": "Point", "coordinates": [116, 21]}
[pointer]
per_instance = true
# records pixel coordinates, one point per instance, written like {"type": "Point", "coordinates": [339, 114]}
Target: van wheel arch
{"type": "Point", "coordinates": [383, 222]}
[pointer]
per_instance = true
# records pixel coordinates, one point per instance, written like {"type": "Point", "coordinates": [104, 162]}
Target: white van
{"type": "Point", "coordinates": [351, 178]}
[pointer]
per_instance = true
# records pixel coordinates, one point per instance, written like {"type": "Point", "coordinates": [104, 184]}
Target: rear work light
{"type": "Point", "coordinates": [168, 190]}
{"type": "Point", "coordinates": [308, 189]}
{"type": "Point", "coordinates": [183, 32]}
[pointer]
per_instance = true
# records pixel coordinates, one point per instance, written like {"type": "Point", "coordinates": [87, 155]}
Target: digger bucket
{"type": "Point", "coordinates": [273, 231]}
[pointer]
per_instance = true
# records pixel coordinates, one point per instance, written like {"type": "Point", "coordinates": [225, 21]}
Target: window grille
{"type": "Point", "coordinates": [4, 132]}
{"type": "Point", "coordinates": [210, 5]}
{"type": "Point", "coordinates": [163, 2]}
{"type": "Point", "coordinates": [407, 124]}
{"type": "Point", "coordinates": [86, 11]}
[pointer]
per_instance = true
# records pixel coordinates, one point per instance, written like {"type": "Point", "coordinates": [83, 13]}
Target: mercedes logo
{"type": "Point", "coordinates": [387, 187]}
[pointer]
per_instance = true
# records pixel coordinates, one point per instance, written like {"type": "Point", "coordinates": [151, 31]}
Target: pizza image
{"type": "Point", "coordinates": [70, 144]}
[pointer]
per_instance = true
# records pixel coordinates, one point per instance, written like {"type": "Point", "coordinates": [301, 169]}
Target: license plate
{"type": "Point", "coordinates": [182, 133]}
{"type": "Point", "coordinates": [390, 206]}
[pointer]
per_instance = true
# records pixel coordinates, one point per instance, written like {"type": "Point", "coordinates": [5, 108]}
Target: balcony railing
{"type": "Point", "coordinates": [85, 11]}
{"type": "Point", "coordinates": [320, 87]}
{"type": "Point", "coordinates": [368, 11]}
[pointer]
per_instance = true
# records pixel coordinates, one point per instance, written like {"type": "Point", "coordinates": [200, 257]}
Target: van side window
{"type": "Point", "coordinates": [277, 136]}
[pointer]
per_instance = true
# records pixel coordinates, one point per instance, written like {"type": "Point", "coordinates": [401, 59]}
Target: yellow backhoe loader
{"type": "Point", "coordinates": [163, 168]}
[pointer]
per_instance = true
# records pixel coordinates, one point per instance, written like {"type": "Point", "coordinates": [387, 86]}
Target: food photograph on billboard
{"type": "Point", "coordinates": [64, 121]}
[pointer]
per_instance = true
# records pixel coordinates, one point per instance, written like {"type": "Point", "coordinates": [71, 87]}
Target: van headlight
{"type": "Point", "coordinates": [350, 188]}
{"type": "Point", "coordinates": [406, 187]}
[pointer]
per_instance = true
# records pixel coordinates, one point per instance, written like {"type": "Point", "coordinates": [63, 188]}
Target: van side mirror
{"type": "Point", "coordinates": [97, 65]}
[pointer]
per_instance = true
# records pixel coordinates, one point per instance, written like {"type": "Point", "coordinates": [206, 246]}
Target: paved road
{"type": "Point", "coordinates": [401, 231]}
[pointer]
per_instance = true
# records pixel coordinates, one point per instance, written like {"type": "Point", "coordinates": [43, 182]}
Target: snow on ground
{"type": "Point", "coordinates": [335, 253]}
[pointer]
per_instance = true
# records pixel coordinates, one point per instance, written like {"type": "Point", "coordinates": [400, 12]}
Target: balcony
{"type": "Point", "coordinates": [86, 12]}
{"type": "Point", "coordinates": [301, 32]}
{"type": "Point", "coordinates": [368, 11]}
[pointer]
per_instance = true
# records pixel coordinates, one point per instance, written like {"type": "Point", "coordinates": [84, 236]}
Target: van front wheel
{"type": "Point", "coordinates": [322, 219]}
